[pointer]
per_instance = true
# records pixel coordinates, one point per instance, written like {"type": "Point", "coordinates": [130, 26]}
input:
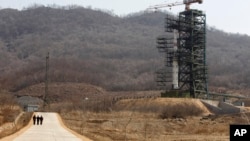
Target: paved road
{"type": "Point", "coordinates": [51, 130]}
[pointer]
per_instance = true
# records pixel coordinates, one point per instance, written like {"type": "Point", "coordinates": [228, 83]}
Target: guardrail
{"type": "Point", "coordinates": [228, 95]}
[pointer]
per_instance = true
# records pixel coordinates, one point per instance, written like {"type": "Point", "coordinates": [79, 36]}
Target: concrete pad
{"type": "Point", "coordinates": [50, 130]}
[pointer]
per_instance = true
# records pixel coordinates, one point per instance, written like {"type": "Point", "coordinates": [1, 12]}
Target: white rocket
{"type": "Point", "coordinates": [175, 68]}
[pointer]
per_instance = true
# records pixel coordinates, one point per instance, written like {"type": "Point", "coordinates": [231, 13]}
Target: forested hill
{"type": "Point", "coordinates": [97, 47]}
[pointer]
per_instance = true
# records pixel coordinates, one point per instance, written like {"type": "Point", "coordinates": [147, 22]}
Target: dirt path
{"type": "Point", "coordinates": [52, 129]}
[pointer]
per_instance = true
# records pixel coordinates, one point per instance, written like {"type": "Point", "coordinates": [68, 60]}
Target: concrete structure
{"type": "Point", "coordinates": [31, 108]}
{"type": "Point", "coordinates": [220, 107]}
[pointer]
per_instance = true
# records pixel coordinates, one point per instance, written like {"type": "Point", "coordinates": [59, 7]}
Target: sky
{"type": "Point", "coordinates": [227, 15]}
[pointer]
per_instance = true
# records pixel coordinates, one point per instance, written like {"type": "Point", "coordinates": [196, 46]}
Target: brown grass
{"type": "Point", "coordinates": [138, 119]}
{"type": "Point", "coordinates": [164, 107]}
{"type": "Point", "coordinates": [12, 127]}
{"type": "Point", "coordinates": [142, 126]}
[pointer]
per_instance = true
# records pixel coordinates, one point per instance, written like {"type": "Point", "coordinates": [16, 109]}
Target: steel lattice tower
{"type": "Point", "coordinates": [185, 52]}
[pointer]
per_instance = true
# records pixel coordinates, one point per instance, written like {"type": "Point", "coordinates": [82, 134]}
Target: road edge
{"type": "Point", "coordinates": [16, 134]}
{"type": "Point", "coordinates": [71, 131]}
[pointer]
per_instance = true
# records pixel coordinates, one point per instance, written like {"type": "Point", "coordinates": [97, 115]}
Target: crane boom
{"type": "Point", "coordinates": [186, 2]}
{"type": "Point", "coordinates": [164, 5]}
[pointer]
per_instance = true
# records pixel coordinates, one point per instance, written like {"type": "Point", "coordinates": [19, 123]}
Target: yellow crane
{"type": "Point", "coordinates": [187, 4]}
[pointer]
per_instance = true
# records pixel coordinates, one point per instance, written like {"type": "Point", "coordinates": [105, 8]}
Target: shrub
{"type": "Point", "coordinates": [180, 111]}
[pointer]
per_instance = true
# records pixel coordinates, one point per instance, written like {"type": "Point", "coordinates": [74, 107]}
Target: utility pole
{"type": "Point", "coordinates": [45, 97]}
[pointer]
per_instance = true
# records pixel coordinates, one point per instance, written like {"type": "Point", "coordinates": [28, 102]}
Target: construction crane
{"type": "Point", "coordinates": [186, 2]}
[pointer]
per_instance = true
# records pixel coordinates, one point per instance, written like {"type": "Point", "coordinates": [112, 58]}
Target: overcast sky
{"type": "Point", "coordinates": [227, 15]}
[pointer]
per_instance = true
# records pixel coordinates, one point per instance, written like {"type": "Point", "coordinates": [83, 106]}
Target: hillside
{"type": "Point", "coordinates": [99, 48]}
{"type": "Point", "coordinates": [59, 92]}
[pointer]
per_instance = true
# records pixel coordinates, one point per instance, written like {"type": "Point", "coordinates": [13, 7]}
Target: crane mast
{"type": "Point", "coordinates": [185, 51]}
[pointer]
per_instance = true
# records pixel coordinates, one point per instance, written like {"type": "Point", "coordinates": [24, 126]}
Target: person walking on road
{"type": "Point", "coordinates": [37, 120]}
{"type": "Point", "coordinates": [34, 120]}
{"type": "Point", "coordinates": [41, 120]}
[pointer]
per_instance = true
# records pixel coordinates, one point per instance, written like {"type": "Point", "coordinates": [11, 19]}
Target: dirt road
{"type": "Point", "coordinates": [52, 129]}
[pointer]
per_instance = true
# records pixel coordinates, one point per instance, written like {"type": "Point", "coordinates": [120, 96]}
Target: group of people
{"type": "Point", "coordinates": [37, 120]}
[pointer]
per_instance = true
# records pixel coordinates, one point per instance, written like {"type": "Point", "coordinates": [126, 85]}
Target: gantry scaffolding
{"type": "Point", "coordinates": [190, 27]}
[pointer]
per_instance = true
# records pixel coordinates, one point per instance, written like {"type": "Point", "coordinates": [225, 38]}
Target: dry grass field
{"type": "Point", "coordinates": [134, 116]}
{"type": "Point", "coordinates": [10, 127]}
{"type": "Point", "coordinates": [142, 119]}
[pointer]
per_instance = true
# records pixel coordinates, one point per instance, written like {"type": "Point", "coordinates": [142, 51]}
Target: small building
{"type": "Point", "coordinates": [31, 108]}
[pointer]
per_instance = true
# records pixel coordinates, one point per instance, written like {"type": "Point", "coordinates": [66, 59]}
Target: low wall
{"type": "Point", "coordinates": [211, 107]}
{"type": "Point", "coordinates": [221, 107]}
{"type": "Point", "coordinates": [228, 108]}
